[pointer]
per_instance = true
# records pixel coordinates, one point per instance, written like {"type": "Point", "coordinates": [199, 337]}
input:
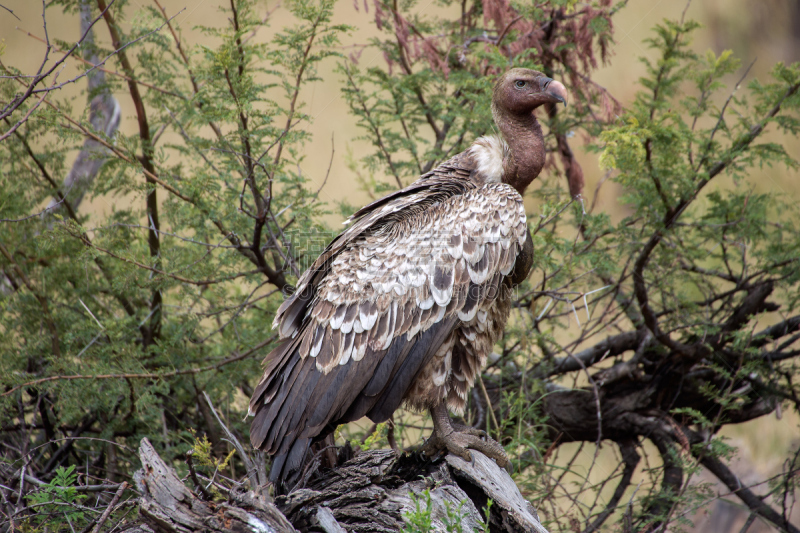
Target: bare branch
{"type": "Point", "coordinates": [40, 75]}
{"type": "Point", "coordinates": [10, 11]}
{"type": "Point", "coordinates": [753, 502]}
{"type": "Point", "coordinates": [631, 460]}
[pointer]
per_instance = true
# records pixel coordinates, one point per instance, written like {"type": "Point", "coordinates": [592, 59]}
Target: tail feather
{"type": "Point", "coordinates": [292, 469]}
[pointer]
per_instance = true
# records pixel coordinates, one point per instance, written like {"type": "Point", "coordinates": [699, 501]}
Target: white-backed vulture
{"type": "Point", "coordinates": [405, 304]}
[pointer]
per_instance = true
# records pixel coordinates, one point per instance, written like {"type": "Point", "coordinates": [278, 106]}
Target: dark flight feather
{"type": "Point", "coordinates": [403, 374]}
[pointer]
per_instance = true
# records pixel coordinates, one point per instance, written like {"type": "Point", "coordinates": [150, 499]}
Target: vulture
{"type": "Point", "coordinates": [404, 306]}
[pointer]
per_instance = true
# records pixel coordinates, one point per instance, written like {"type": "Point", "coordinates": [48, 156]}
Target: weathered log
{"type": "Point", "coordinates": [167, 505]}
{"type": "Point", "coordinates": [377, 491]}
{"type": "Point", "coordinates": [370, 491]}
{"type": "Point", "coordinates": [498, 486]}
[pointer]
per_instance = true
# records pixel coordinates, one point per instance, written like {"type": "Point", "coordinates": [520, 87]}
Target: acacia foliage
{"type": "Point", "coordinates": [113, 325]}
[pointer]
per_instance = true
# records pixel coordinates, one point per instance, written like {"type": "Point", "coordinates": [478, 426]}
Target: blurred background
{"type": "Point", "coordinates": [761, 33]}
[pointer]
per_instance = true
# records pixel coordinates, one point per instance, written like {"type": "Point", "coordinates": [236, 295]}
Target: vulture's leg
{"type": "Point", "coordinates": [458, 439]}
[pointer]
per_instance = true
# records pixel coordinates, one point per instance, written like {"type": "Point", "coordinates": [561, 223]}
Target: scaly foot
{"type": "Point", "coordinates": [458, 439]}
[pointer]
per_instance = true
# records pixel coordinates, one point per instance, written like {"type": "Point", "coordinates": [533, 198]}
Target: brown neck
{"type": "Point", "coordinates": [523, 134]}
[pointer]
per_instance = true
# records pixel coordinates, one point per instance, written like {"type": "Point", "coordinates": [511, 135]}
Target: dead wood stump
{"type": "Point", "coordinates": [370, 491]}
{"type": "Point", "coordinates": [167, 505]}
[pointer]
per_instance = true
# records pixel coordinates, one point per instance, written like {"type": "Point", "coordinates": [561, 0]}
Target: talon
{"type": "Point", "coordinates": [459, 439]}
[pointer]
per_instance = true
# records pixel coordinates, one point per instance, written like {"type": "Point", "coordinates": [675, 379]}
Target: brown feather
{"type": "Point", "coordinates": [326, 353]}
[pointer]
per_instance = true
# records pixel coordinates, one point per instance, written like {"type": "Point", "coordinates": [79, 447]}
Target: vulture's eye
{"type": "Point", "coordinates": [520, 84]}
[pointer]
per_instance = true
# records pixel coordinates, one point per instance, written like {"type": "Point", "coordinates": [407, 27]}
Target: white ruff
{"type": "Point", "coordinates": [489, 153]}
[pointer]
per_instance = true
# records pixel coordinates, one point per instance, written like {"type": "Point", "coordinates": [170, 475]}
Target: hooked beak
{"type": "Point", "coordinates": [557, 90]}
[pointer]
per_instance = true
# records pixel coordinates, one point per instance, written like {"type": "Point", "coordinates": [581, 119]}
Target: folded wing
{"type": "Point", "coordinates": [378, 304]}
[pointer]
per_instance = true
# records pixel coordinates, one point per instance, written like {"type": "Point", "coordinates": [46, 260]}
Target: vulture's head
{"type": "Point", "coordinates": [520, 90]}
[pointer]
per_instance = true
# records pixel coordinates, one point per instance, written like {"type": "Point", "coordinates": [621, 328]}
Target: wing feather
{"type": "Point", "coordinates": [360, 346]}
{"type": "Point", "coordinates": [349, 316]}
{"type": "Point", "coordinates": [347, 348]}
{"type": "Point", "coordinates": [338, 317]}
{"type": "Point", "coordinates": [326, 354]}
{"type": "Point", "coordinates": [441, 284]}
